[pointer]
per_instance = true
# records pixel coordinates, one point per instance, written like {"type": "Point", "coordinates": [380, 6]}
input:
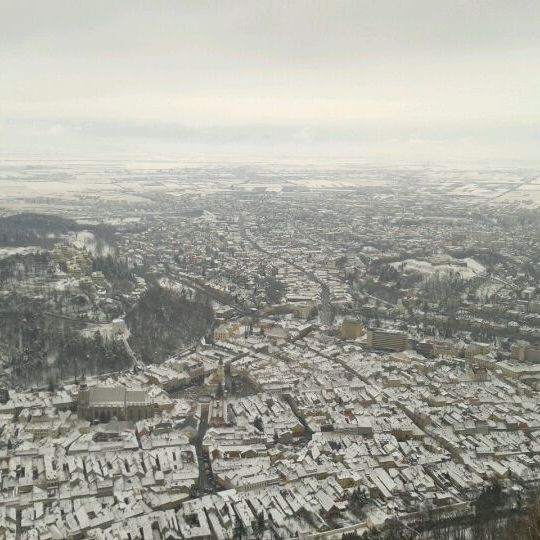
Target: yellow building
{"type": "Point", "coordinates": [226, 330]}
{"type": "Point", "coordinates": [351, 329]}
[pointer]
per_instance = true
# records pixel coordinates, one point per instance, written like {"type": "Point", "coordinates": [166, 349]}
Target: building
{"type": "Point", "coordinates": [474, 349]}
{"type": "Point", "coordinates": [218, 377]}
{"type": "Point", "coordinates": [104, 403]}
{"type": "Point", "coordinates": [218, 415]}
{"type": "Point", "coordinates": [425, 348]}
{"type": "Point", "coordinates": [303, 310]}
{"type": "Point", "coordinates": [386, 341]}
{"type": "Point", "coordinates": [225, 331]}
{"type": "Point", "coordinates": [527, 354]}
{"type": "Point", "coordinates": [351, 329]}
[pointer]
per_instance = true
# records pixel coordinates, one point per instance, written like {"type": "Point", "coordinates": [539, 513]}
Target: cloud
{"type": "Point", "coordinates": [239, 72]}
{"type": "Point", "coordinates": [57, 131]}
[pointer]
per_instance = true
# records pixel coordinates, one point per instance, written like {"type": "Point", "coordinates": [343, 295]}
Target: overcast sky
{"type": "Point", "coordinates": [430, 79]}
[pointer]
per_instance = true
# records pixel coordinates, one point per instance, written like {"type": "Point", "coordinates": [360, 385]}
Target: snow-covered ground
{"type": "Point", "coordinates": [472, 269]}
{"type": "Point", "coordinates": [8, 251]}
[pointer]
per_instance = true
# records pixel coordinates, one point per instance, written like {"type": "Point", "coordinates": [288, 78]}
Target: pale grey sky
{"type": "Point", "coordinates": [415, 79]}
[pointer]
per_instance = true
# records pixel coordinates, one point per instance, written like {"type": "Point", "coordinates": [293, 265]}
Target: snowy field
{"type": "Point", "coordinates": [26, 184]}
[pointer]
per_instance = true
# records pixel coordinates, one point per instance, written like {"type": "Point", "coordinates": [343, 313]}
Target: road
{"type": "Point", "coordinates": [207, 483]}
{"type": "Point", "coordinates": [292, 404]}
{"type": "Point", "coordinates": [136, 362]}
{"type": "Point", "coordinates": [308, 274]}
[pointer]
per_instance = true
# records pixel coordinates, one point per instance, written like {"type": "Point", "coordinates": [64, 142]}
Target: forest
{"type": "Point", "coordinates": [18, 266]}
{"type": "Point", "coordinates": [44, 350]}
{"type": "Point", "coordinates": [164, 320]}
{"type": "Point", "coordinates": [44, 230]}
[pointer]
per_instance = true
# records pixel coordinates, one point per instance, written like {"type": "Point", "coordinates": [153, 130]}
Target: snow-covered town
{"type": "Point", "coordinates": [246, 363]}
